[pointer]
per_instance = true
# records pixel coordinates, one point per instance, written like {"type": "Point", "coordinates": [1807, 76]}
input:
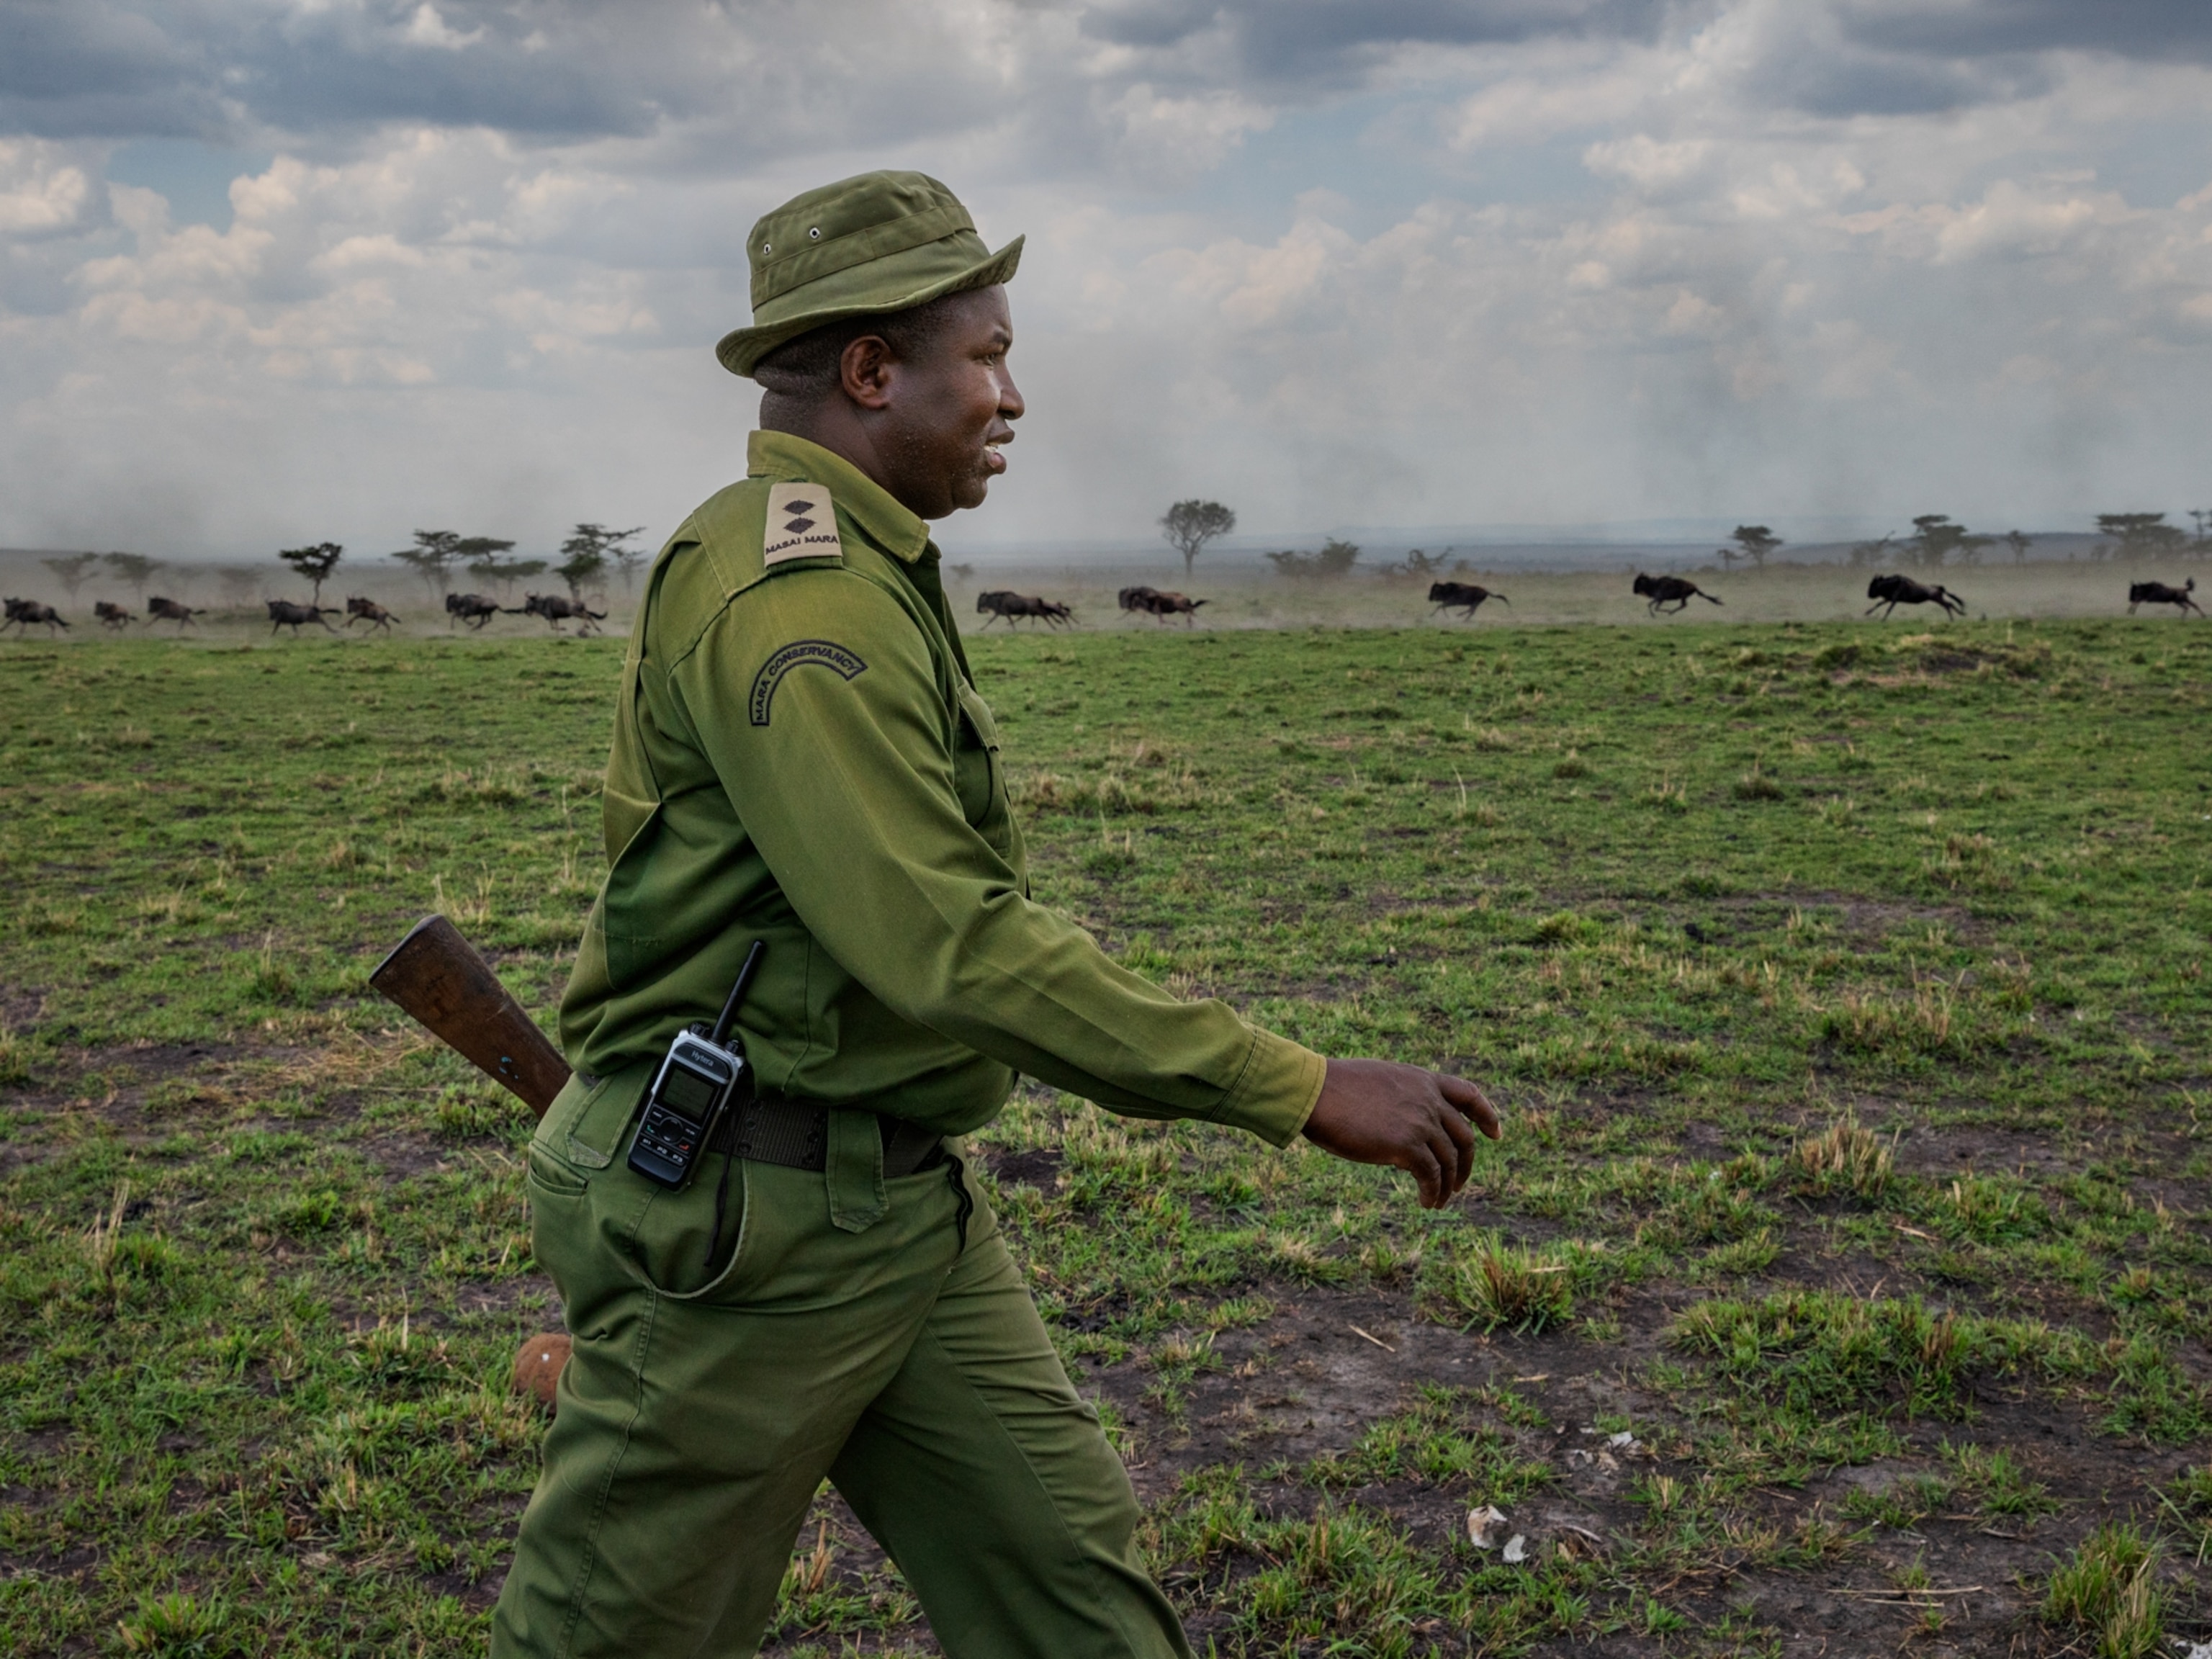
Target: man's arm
{"type": "Point", "coordinates": [846, 782]}
{"type": "Point", "coordinates": [842, 768]}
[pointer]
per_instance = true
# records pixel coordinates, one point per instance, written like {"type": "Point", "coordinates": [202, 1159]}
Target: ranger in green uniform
{"type": "Point", "coordinates": [801, 756]}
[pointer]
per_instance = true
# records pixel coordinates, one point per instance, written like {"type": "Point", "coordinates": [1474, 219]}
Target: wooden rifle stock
{"type": "Point", "coordinates": [437, 977]}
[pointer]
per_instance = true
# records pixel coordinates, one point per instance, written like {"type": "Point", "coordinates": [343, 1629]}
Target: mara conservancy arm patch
{"type": "Point", "coordinates": [802, 524]}
{"type": "Point", "coordinates": [799, 652]}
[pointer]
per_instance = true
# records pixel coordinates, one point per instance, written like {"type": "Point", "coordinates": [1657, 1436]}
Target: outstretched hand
{"type": "Point", "coordinates": [1377, 1111]}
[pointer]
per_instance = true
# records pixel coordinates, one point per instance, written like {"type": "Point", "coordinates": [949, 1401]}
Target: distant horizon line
{"type": "Point", "coordinates": [1468, 540]}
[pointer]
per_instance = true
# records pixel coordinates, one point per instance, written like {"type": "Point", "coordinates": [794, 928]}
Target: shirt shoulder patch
{"type": "Point", "coordinates": [829, 655]}
{"type": "Point", "coordinates": [802, 524]}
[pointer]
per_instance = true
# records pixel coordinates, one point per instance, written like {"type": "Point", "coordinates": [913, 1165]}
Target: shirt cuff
{"type": "Point", "coordinates": [1275, 1093]}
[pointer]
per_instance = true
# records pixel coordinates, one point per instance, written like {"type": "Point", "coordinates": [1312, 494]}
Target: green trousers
{"type": "Point", "coordinates": [840, 1331]}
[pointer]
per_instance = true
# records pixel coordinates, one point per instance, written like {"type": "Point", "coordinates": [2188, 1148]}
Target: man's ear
{"type": "Point", "coordinates": [864, 370]}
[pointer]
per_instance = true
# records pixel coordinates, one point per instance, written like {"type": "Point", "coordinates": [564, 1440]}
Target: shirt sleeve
{"type": "Point", "coordinates": [814, 698]}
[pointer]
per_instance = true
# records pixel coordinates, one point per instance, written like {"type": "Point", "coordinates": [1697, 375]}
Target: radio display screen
{"type": "Point", "coordinates": [687, 1092]}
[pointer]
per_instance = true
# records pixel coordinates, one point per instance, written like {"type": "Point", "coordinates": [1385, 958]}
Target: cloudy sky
{"type": "Point", "coordinates": [278, 270]}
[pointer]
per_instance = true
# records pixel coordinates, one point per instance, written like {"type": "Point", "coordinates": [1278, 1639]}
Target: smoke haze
{"type": "Point", "coordinates": [283, 270]}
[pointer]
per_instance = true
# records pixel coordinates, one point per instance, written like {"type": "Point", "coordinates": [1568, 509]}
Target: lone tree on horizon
{"type": "Point", "coordinates": [1936, 537]}
{"type": "Point", "coordinates": [1188, 525]}
{"type": "Point", "coordinates": [1754, 542]}
{"type": "Point", "coordinates": [2020, 541]}
{"type": "Point", "coordinates": [315, 562]}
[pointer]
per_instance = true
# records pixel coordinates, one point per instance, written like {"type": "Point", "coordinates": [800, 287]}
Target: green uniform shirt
{"type": "Point", "coordinates": [801, 756]}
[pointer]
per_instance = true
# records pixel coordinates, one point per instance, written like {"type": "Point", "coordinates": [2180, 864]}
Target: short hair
{"type": "Point", "coordinates": [808, 367]}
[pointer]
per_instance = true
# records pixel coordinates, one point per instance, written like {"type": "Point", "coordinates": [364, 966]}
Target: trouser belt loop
{"type": "Point", "coordinates": [854, 1177]}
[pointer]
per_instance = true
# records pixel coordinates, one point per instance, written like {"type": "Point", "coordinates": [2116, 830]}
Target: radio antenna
{"type": "Point", "coordinates": [737, 992]}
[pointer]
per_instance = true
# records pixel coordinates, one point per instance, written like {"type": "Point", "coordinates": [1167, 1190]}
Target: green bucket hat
{"type": "Point", "coordinates": [864, 246]}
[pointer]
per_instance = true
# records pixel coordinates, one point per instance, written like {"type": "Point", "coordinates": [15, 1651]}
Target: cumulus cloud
{"type": "Point", "coordinates": [1489, 259]}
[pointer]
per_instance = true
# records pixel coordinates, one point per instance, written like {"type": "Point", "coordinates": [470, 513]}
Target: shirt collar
{"type": "Point", "coordinates": [889, 525]}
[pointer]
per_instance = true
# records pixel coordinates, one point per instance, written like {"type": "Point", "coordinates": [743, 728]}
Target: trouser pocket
{"type": "Point", "coordinates": [687, 1244]}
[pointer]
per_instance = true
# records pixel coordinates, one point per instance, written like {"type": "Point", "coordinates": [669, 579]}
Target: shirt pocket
{"type": "Point", "coordinates": [979, 771]}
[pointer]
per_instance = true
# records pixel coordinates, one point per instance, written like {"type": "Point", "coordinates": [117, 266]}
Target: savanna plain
{"type": "Point", "coordinates": [1842, 1284]}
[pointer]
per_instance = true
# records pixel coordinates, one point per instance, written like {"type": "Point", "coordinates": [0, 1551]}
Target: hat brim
{"type": "Point", "coordinates": [741, 350]}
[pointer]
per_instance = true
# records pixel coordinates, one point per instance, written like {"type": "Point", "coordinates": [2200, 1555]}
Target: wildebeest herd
{"type": "Point", "coordinates": [1669, 594]}
{"type": "Point", "coordinates": [473, 609]}
{"type": "Point", "coordinates": [477, 611]}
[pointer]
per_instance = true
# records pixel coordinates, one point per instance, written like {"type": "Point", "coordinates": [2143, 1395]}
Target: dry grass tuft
{"type": "Point", "coordinates": [1846, 1155]}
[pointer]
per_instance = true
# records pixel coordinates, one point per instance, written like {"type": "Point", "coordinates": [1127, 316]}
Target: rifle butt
{"type": "Point", "coordinates": [436, 977]}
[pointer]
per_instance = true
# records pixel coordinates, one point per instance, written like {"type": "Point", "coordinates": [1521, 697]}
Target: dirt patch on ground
{"type": "Point", "coordinates": [1310, 1380]}
{"type": "Point", "coordinates": [1944, 1153]}
{"type": "Point", "coordinates": [144, 1092]}
{"type": "Point", "coordinates": [20, 1007]}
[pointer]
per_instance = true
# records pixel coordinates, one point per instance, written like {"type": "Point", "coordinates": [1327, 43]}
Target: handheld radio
{"type": "Point", "coordinates": [697, 1079]}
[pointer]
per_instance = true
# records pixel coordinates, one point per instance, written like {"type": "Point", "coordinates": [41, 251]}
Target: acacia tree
{"type": "Point", "coordinates": [475, 552]}
{"type": "Point", "coordinates": [1188, 525]}
{"type": "Point", "coordinates": [607, 545]}
{"type": "Point", "coordinates": [2142, 535]}
{"type": "Point", "coordinates": [2019, 542]}
{"type": "Point", "coordinates": [433, 557]}
{"type": "Point", "coordinates": [1754, 542]}
{"type": "Point", "coordinates": [1935, 538]}
{"type": "Point", "coordinates": [314, 562]}
{"type": "Point", "coordinates": [484, 563]}
{"type": "Point", "coordinates": [70, 569]}
{"type": "Point", "coordinates": [134, 570]}
{"type": "Point", "coordinates": [585, 564]}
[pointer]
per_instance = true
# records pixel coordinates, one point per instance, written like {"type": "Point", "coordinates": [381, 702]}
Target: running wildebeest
{"type": "Point", "coordinates": [1893, 590]}
{"type": "Point", "coordinates": [1458, 596]}
{"type": "Point", "coordinates": [1677, 591]}
{"type": "Point", "coordinates": [113, 614]}
{"type": "Point", "coordinates": [161, 609]}
{"type": "Point", "coordinates": [473, 609]}
{"type": "Point", "coordinates": [368, 611]}
{"type": "Point", "coordinates": [1160, 606]}
{"type": "Point", "coordinates": [1004, 602]}
{"type": "Point", "coordinates": [557, 611]}
{"type": "Point", "coordinates": [24, 612]}
{"type": "Point", "coordinates": [2160, 593]}
{"type": "Point", "coordinates": [283, 613]}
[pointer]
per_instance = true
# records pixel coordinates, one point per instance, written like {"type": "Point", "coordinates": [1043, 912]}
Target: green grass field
{"type": "Point", "coordinates": [1843, 1276]}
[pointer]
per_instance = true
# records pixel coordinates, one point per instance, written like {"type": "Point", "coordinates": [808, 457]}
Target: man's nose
{"type": "Point", "coordinates": [1010, 398]}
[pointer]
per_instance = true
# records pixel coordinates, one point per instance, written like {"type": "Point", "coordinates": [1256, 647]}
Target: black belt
{"type": "Point", "coordinates": [772, 1128]}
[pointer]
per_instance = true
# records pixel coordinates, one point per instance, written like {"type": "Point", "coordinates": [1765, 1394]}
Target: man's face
{"type": "Point", "coordinates": [945, 413]}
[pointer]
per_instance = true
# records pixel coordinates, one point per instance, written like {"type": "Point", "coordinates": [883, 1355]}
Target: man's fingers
{"type": "Point", "coordinates": [1428, 1175]}
{"type": "Point", "coordinates": [1462, 1139]}
{"type": "Point", "coordinates": [1471, 1101]}
{"type": "Point", "coordinates": [1451, 1162]}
